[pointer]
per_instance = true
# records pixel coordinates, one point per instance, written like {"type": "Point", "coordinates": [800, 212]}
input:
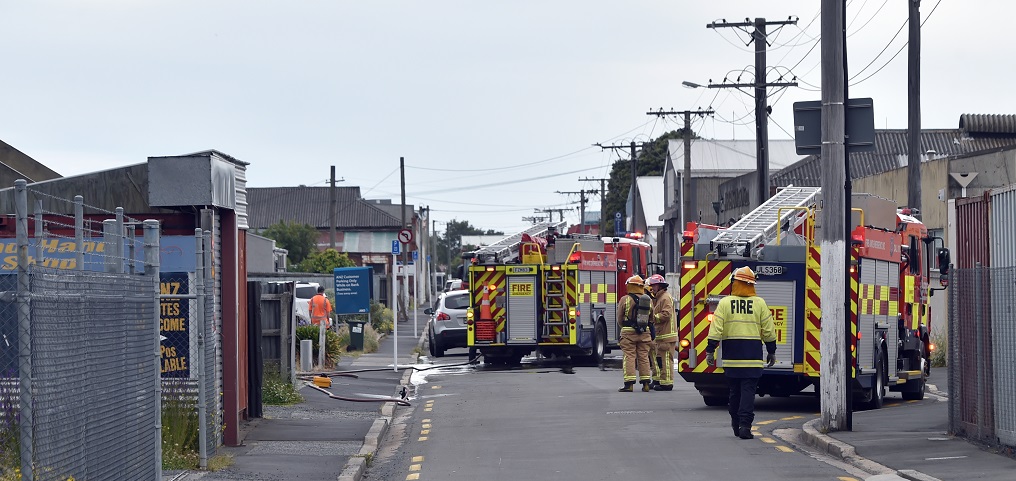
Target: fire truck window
{"type": "Point", "coordinates": [637, 259]}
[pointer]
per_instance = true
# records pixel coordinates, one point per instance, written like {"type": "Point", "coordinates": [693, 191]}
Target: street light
{"type": "Point", "coordinates": [691, 85]}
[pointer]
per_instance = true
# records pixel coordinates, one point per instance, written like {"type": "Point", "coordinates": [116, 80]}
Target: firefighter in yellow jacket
{"type": "Point", "coordinates": [665, 321]}
{"type": "Point", "coordinates": [633, 317]}
{"type": "Point", "coordinates": [743, 323]}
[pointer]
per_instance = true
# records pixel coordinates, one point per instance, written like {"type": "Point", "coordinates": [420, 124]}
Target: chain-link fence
{"type": "Point", "coordinates": [96, 344]}
{"type": "Point", "coordinates": [982, 351]}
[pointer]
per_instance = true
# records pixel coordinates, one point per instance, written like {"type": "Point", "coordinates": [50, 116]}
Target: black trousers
{"type": "Point", "coordinates": [742, 399]}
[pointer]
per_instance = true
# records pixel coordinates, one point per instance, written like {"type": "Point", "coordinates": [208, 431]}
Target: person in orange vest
{"type": "Point", "coordinates": [320, 308]}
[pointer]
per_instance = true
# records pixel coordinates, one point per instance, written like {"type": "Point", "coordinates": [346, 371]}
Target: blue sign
{"type": "Point", "coordinates": [353, 289]}
{"type": "Point", "coordinates": [175, 325]}
{"type": "Point", "coordinates": [176, 253]}
{"type": "Point", "coordinates": [416, 255]}
{"type": "Point", "coordinates": [618, 224]}
{"type": "Point", "coordinates": [396, 250]}
{"type": "Point", "coordinates": [428, 257]}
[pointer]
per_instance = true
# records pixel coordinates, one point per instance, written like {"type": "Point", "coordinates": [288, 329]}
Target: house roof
{"type": "Point", "coordinates": [651, 193]}
{"type": "Point", "coordinates": [310, 205]}
{"type": "Point", "coordinates": [891, 149]}
{"type": "Point", "coordinates": [712, 158]}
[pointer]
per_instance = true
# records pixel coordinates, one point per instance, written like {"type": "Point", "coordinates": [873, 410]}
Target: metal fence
{"type": "Point", "coordinates": [101, 355]}
{"type": "Point", "coordinates": [982, 351]}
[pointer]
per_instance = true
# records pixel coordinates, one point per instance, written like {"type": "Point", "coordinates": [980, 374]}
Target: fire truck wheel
{"type": "Point", "coordinates": [714, 400]}
{"type": "Point", "coordinates": [878, 388]}
{"type": "Point", "coordinates": [599, 343]}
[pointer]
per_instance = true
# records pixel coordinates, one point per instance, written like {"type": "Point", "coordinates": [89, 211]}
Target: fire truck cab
{"type": "Point", "coordinates": [889, 314]}
{"type": "Point", "coordinates": [540, 291]}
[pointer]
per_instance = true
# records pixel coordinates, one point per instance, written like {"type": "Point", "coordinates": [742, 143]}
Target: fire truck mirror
{"type": "Point", "coordinates": [943, 262]}
{"type": "Point", "coordinates": [944, 280]}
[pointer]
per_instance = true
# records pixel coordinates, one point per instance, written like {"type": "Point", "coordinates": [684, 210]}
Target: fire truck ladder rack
{"type": "Point", "coordinates": [507, 249]}
{"type": "Point", "coordinates": [556, 310]}
{"type": "Point", "coordinates": [761, 224]}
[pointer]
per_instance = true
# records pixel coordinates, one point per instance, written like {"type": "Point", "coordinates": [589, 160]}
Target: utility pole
{"type": "Point", "coordinates": [760, 85]}
{"type": "Point", "coordinates": [834, 388]}
{"type": "Point", "coordinates": [914, 107]}
{"type": "Point", "coordinates": [433, 249]}
{"type": "Point", "coordinates": [534, 219]}
{"type": "Point", "coordinates": [686, 205]}
{"type": "Point", "coordinates": [331, 211]}
{"type": "Point", "coordinates": [582, 207]}
{"type": "Point", "coordinates": [402, 307]}
{"type": "Point", "coordinates": [550, 212]}
{"type": "Point", "coordinates": [634, 176]}
{"type": "Point", "coordinates": [603, 202]}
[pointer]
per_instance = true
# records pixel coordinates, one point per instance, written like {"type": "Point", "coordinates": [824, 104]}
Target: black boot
{"type": "Point", "coordinates": [744, 432]}
{"type": "Point", "coordinates": [654, 385]}
{"type": "Point", "coordinates": [663, 387]}
{"type": "Point", "coordinates": [645, 386]}
{"type": "Point", "coordinates": [627, 386]}
{"type": "Point", "coordinates": [733, 424]}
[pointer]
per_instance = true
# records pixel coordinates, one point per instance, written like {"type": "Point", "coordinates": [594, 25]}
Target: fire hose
{"type": "Point", "coordinates": [313, 380]}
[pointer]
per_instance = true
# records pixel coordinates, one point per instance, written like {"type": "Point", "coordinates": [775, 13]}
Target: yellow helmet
{"type": "Point", "coordinates": [636, 279]}
{"type": "Point", "coordinates": [744, 274]}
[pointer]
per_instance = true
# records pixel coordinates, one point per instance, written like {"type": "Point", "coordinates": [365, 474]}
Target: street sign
{"type": "Point", "coordinates": [396, 248]}
{"type": "Point", "coordinates": [353, 289]}
{"type": "Point", "coordinates": [405, 236]}
{"type": "Point", "coordinates": [617, 215]}
{"type": "Point", "coordinates": [416, 255]}
{"type": "Point", "coordinates": [618, 224]}
{"type": "Point", "coordinates": [859, 128]}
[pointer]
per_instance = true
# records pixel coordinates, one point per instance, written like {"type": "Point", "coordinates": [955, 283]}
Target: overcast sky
{"type": "Point", "coordinates": [494, 105]}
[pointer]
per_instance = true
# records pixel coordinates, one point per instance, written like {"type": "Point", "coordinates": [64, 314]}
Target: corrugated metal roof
{"type": "Point", "coordinates": [712, 158]}
{"type": "Point", "coordinates": [891, 153]}
{"type": "Point", "coordinates": [309, 205]}
{"type": "Point", "coordinates": [651, 193]}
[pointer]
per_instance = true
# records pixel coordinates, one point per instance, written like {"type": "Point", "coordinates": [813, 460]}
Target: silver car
{"type": "Point", "coordinates": [447, 325]}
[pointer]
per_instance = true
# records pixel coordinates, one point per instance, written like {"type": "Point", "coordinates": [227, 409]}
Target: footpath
{"type": "Point", "coordinates": [910, 440]}
{"type": "Point", "coordinates": [321, 438]}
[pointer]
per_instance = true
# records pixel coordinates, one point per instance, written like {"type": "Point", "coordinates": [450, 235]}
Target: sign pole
{"type": "Point", "coordinates": [395, 310]}
{"type": "Point", "coordinates": [416, 292]}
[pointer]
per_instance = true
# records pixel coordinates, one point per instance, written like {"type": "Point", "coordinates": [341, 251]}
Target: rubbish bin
{"type": "Point", "coordinates": [355, 334]}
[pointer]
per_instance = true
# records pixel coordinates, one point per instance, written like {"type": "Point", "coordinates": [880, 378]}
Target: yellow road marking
{"type": "Point", "coordinates": [763, 423]}
{"type": "Point", "coordinates": [791, 418]}
{"type": "Point", "coordinates": [426, 426]}
{"type": "Point", "coordinates": [435, 387]}
{"type": "Point", "coordinates": [428, 409]}
{"type": "Point", "coordinates": [424, 431]}
{"type": "Point", "coordinates": [426, 420]}
{"type": "Point", "coordinates": [422, 438]}
{"type": "Point", "coordinates": [911, 402]}
{"type": "Point", "coordinates": [413, 476]}
{"type": "Point", "coordinates": [784, 449]}
{"type": "Point", "coordinates": [769, 440]}
{"type": "Point", "coordinates": [417, 459]}
{"type": "Point", "coordinates": [846, 478]}
{"type": "Point", "coordinates": [414, 467]}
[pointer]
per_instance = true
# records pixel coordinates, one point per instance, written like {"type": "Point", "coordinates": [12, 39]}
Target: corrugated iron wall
{"type": "Point", "coordinates": [972, 245]}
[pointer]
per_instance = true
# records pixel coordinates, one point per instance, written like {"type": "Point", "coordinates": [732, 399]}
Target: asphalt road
{"type": "Point", "coordinates": [547, 420]}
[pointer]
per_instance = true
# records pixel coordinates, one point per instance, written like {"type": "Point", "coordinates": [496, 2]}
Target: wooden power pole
{"type": "Point", "coordinates": [914, 107]}
{"type": "Point", "coordinates": [687, 211]}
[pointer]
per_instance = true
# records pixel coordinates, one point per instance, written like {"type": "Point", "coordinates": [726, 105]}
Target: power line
{"type": "Point", "coordinates": [898, 51]}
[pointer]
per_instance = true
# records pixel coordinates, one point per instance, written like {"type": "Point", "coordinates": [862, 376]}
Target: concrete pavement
{"type": "Point", "coordinates": [910, 440]}
{"type": "Point", "coordinates": [323, 438]}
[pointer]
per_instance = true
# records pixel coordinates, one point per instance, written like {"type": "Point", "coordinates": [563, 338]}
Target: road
{"type": "Point", "coordinates": [549, 420]}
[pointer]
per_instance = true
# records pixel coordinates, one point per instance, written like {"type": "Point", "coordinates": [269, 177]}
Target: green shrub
{"type": "Point", "coordinates": [333, 346]}
{"type": "Point", "coordinates": [940, 356]}
{"type": "Point", "coordinates": [179, 428]}
{"type": "Point", "coordinates": [370, 339]}
{"type": "Point", "coordinates": [275, 391]}
{"type": "Point", "coordinates": [381, 318]}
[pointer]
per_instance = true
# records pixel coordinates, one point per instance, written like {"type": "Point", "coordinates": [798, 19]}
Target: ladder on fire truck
{"type": "Point", "coordinates": [506, 250]}
{"type": "Point", "coordinates": [762, 224]}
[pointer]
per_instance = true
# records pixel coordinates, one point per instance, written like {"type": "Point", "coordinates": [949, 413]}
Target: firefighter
{"type": "Point", "coordinates": [633, 317]}
{"type": "Point", "coordinates": [320, 308]}
{"type": "Point", "coordinates": [665, 321]}
{"type": "Point", "coordinates": [742, 322]}
{"type": "Point", "coordinates": [654, 360]}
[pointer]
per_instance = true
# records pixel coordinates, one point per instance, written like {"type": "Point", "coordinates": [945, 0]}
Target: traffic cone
{"type": "Point", "coordinates": [485, 306]}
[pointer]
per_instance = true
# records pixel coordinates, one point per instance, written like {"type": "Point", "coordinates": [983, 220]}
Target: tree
{"type": "Point", "coordinates": [450, 244]}
{"type": "Point", "coordinates": [651, 161]}
{"type": "Point", "coordinates": [325, 262]}
{"type": "Point", "coordinates": [299, 239]}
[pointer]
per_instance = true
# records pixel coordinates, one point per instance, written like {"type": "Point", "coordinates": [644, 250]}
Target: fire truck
{"type": "Point", "coordinates": [889, 311]}
{"type": "Point", "coordinates": [540, 291]}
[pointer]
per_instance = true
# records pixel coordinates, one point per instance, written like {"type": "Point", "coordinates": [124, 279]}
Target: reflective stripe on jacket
{"type": "Point", "coordinates": [319, 309]}
{"type": "Point", "coordinates": [624, 308]}
{"type": "Point", "coordinates": [664, 318]}
{"type": "Point", "coordinates": [742, 324]}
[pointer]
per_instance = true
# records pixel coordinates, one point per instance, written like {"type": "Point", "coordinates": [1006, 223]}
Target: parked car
{"type": "Point", "coordinates": [301, 301]}
{"type": "Point", "coordinates": [447, 326]}
{"type": "Point", "coordinates": [453, 285]}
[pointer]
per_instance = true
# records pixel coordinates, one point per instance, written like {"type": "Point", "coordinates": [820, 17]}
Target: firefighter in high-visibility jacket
{"type": "Point", "coordinates": [743, 324]}
{"type": "Point", "coordinates": [654, 357]}
{"type": "Point", "coordinates": [633, 318]}
{"type": "Point", "coordinates": [665, 321]}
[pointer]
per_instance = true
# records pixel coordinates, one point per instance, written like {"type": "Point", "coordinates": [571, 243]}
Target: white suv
{"type": "Point", "coordinates": [301, 300]}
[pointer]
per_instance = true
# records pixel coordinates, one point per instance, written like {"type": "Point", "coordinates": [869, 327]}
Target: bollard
{"type": "Point", "coordinates": [306, 352]}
